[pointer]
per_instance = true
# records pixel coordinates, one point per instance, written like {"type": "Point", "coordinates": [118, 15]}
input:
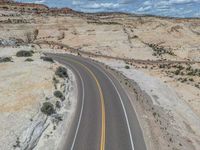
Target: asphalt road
{"type": "Point", "coordinates": [105, 118]}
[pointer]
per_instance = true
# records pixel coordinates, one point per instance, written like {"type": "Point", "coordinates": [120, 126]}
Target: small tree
{"type": "Point", "coordinates": [127, 67]}
{"type": "Point", "coordinates": [59, 94]}
{"type": "Point", "coordinates": [48, 108]}
{"type": "Point", "coordinates": [23, 53]}
{"type": "Point", "coordinates": [61, 72]}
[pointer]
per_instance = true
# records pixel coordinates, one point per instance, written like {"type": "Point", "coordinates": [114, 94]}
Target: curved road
{"type": "Point", "coordinates": [105, 118]}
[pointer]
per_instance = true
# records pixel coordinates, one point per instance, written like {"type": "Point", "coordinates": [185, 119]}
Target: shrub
{"type": "Point", "coordinates": [32, 51]}
{"type": "Point", "coordinates": [184, 80]}
{"type": "Point", "coordinates": [5, 59]}
{"type": "Point", "coordinates": [177, 72]}
{"type": "Point", "coordinates": [127, 67]}
{"type": "Point", "coordinates": [135, 36]}
{"type": "Point", "coordinates": [24, 54]}
{"type": "Point", "coordinates": [191, 79]}
{"type": "Point", "coordinates": [29, 59]}
{"type": "Point", "coordinates": [48, 108]}
{"type": "Point", "coordinates": [59, 94]}
{"type": "Point", "coordinates": [57, 118]}
{"type": "Point", "coordinates": [49, 59]}
{"type": "Point", "coordinates": [191, 73]}
{"type": "Point", "coordinates": [197, 85]}
{"type": "Point", "coordinates": [62, 72]}
{"type": "Point", "coordinates": [58, 104]}
{"type": "Point", "coordinates": [78, 54]}
{"type": "Point", "coordinates": [55, 80]}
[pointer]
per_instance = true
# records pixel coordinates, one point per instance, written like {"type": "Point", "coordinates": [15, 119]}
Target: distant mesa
{"type": "Point", "coordinates": [32, 7]}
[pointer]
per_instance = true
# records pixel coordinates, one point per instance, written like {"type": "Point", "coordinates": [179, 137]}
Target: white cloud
{"type": "Point", "coordinates": [165, 3]}
{"type": "Point", "coordinates": [182, 1]}
{"type": "Point", "coordinates": [96, 5]}
{"type": "Point", "coordinates": [77, 2]}
{"type": "Point", "coordinates": [143, 9]}
{"type": "Point", "coordinates": [40, 1]}
{"type": "Point", "coordinates": [147, 3]}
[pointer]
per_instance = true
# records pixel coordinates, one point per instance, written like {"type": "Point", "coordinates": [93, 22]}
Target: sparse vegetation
{"type": "Point", "coordinates": [48, 108]}
{"type": "Point", "coordinates": [62, 72]}
{"type": "Point", "coordinates": [23, 53]}
{"type": "Point", "coordinates": [29, 60]}
{"type": "Point", "coordinates": [59, 94]}
{"type": "Point", "coordinates": [102, 23]}
{"type": "Point", "coordinates": [197, 85]}
{"type": "Point", "coordinates": [127, 67]}
{"type": "Point", "coordinates": [58, 104]}
{"type": "Point", "coordinates": [49, 59]}
{"type": "Point", "coordinates": [135, 37]}
{"type": "Point", "coordinates": [5, 59]}
{"type": "Point", "coordinates": [17, 143]}
{"type": "Point", "coordinates": [191, 79]}
{"type": "Point", "coordinates": [177, 72]}
{"type": "Point", "coordinates": [160, 50]}
{"type": "Point", "coordinates": [55, 81]}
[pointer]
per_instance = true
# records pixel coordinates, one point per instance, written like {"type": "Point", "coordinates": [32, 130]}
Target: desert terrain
{"type": "Point", "coordinates": [156, 59]}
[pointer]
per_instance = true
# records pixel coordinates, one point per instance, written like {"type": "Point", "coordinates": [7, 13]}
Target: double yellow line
{"type": "Point", "coordinates": [103, 116]}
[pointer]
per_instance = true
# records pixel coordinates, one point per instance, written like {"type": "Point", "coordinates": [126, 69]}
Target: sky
{"type": "Point", "coordinates": [172, 8]}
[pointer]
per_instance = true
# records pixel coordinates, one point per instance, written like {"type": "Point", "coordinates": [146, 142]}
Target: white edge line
{"type": "Point", "coordinates": [79, 121]}
{"type": "Point", "coordinates": [80, 116]}
{"type": "Point", "coordinates": [127, 121]}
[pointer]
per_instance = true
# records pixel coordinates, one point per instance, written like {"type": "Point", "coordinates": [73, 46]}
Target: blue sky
{"type": "Point", "coordinates": [174, 8]}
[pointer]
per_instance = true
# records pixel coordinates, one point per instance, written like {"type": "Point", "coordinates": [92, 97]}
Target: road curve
{"type": "Point", "coordinates": [105, 118]}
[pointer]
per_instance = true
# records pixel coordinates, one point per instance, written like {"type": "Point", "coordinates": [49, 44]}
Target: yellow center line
{"type": "Point", "coordinates": [103, 130]}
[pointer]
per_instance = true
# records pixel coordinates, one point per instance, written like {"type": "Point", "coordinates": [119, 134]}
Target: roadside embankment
{"type": "Point", "coordinates": [37, 99]}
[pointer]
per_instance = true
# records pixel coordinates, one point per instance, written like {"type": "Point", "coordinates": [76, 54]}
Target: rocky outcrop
{"type": "Point", "coordinates": [10, 5]}
{"type": "Point", "coordinates": [10, 42]}
{"type": "Point", "coordinates": [32, 8]}
{"type": "Point", "coordinates": [33, 133]}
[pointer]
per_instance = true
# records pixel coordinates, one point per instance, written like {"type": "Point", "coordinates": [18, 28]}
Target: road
{"type": "Point", "coordinates": [105, 118]}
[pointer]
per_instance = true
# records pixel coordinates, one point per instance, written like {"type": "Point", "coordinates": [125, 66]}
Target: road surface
{"type": "Point", "coordinates": [105, 118]}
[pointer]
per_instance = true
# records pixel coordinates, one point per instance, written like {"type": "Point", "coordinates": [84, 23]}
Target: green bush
{"type": "Point", "coordinates": [49, 59]}
{"type": "Point", "coordinates": [58, 104]}
{"type": "Point", "coordinates": [177, 72]}
{"type": "Point", "coordinates": [29, 59]}
{"type": "Point", "coordinates": [62, 72]}
{"type": "Point", "coordinates": [127, 67]}
{"type": "Point", "coordinates": [5, 59]}
{"type": "Point", "coordinates": [191, 79]}
{"type": "Point", "coordinates": [23, 53]}
{"type": "Point", "coordinates": [59, 94]}
{"type": "Point", "coordinates": [48, 108]}
{"type": "Point", "coordinates": [197, 85]}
